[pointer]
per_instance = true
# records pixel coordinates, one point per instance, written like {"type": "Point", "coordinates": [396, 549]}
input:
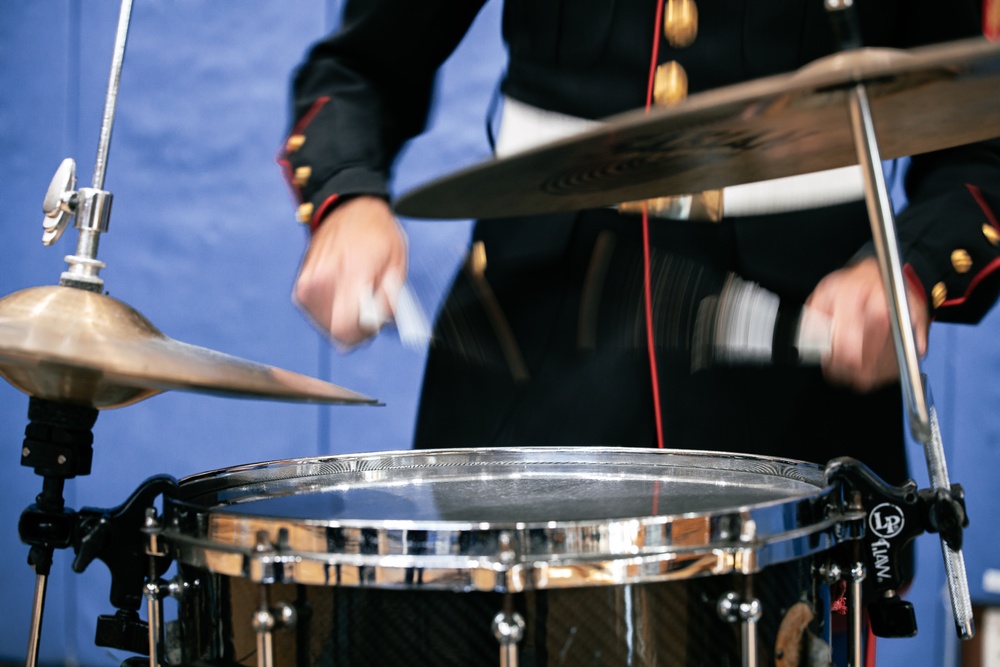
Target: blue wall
{"type": "Point", "coordinates": [204, 244]}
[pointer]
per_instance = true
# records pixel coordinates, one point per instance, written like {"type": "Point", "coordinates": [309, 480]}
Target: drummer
{"type": "Point", "coordinates": [558, 299]}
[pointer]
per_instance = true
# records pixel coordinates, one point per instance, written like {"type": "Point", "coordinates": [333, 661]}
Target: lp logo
{"type": "Point", "coordinates": [886, 520]}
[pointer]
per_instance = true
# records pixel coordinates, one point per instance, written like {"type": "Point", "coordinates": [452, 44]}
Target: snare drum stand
{"type": "Point", "coordinates": [58, 445]}
{"type": "Point", "coordinates": [922, 416]}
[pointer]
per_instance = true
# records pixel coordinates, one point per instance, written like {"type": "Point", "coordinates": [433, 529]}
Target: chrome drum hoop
{"type": "Point", "coordinates": [503, 520]}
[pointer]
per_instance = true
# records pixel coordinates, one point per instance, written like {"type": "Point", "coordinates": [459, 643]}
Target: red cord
{"type": "Point", "coordinates": [647, 282]}
{"type": "Point", "coordinates": [870, 648]}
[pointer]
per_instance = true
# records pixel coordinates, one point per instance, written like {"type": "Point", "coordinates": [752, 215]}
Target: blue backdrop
{"type": "Point", "coordinates": [203, 243]}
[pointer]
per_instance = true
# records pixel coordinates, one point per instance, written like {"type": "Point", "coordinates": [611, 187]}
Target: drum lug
{"type": "Point", "coordinates": [508, 628]}
{"type": "Point", "coordinates": [733, 608]}
{"type": "Point", "coordinates": [277, 617]}
{"type": "Point", "coordinates": [269, 559]}
{"type": "Point", "coordinates": [266, 620]}
{"type": "Point", "coordinates": [830, 572]}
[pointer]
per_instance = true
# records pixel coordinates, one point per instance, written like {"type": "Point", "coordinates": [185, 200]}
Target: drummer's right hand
{"type": "Point", "coordinates": [353, 270]}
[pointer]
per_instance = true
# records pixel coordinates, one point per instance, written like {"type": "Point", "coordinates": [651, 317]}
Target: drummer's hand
{"type": "Point", "coordinates": [863, 355]}
{"type": "Point", "coordinates": [353, 270]}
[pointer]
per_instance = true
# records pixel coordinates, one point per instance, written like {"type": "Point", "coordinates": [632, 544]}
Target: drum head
{"type": "Point", "coordinates": [501, 519]}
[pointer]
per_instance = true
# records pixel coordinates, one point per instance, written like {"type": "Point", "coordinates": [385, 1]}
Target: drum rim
{"type": "Point", "coordinates": [506, 557]}
{"type": "Point", "coordinates": [498, 452]}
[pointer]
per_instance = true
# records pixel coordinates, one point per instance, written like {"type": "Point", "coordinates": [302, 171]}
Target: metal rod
{"type": "Point", "coordinates": [922, 424]}
{"type": "Point", "coordinates": [954, 561]}
{"type": "Point", "coordinates": [263, 625]}
{"type": "Point", "coordinates": [508, 629]}
{"type": "Point", "coordinates": [154, 614]}
{"type": "Point", "coordinates": [37, 610]}
{"type": "Point", "coordinates": [153, 617]}
{"type": "Point", "coordinates": [855, 657]}
{"type": "Point", "coordinates": [508, 656]}
{"type": "Point", "coordinates": [883, 226]}
{"type": "Point", "coordinates": [111, 99]}
{"type": "Point", "coordinates": [748, 637]}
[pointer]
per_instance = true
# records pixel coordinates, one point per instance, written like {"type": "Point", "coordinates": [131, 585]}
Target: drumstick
{"type": "Point", "coordinates": [747, 324]}
{"type": "Point", "coordinates": [410, 321]}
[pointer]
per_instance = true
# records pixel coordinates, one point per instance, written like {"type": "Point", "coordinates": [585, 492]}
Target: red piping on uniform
{"type": "Point", "coordinates": [282, 157]}
{"type": "Point", "coordinates": [918, 287]}
{"type": "Point", "coordinates": [647, 286]}
{"type": "Point", "coordinates": [987, 211]}
{"type": "Point", "coordinates": [320, 213]}
{"type": "Point", "coordinates": [973, 284]}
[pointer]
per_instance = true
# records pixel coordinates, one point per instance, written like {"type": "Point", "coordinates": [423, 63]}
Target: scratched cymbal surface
{"type": "Point", "coordinates": [922, 100]}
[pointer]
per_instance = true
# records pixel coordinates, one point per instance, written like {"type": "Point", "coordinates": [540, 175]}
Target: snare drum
{"type": "Point", "coordinates": [548, 556]}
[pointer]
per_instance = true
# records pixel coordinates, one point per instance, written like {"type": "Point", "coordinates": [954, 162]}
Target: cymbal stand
{"type": "Point", "coordinates": [922, 416]}
{"type": "Point", "coordinates": [58, 445]}
{"type": "Point", "coordinates": [91, 206]}
{"type": "Point", "coordinates": [47, 524]}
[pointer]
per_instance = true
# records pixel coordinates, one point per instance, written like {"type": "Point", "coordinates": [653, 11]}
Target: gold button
{"type": "Point", "coordinates": [477, 258]}
{"type": "Point", "coordinates": [302, 175]}
{"type": "Point", "coordinates": [304, 213]}
{"type": "Point", "coordinates": [680, 23]}
{"type": "Point", "coordinates": [991, 234]}
{"type": "Point", "coordinates": [295, 142]}
{"type": "Point", "coordinates": [961, 260]}
{"type": "Point", "coordinates": [939, 294]}
{"type": "Point", "coordinates": [670, 84]}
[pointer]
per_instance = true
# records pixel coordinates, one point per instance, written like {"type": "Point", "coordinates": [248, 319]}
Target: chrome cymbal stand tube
{"type": "Point", "coordinates": [37, 611]}
{"type": "Point", "coordinates": [92, 207]}
{"type": "Point", "coordinates": [923, 418]}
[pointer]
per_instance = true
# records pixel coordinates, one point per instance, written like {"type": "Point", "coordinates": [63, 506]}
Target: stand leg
{"type": "Point", "coordinates": [854, 618]}
{"type": "Point", "coordinates": [37, 611]}
{"type": "Point", "coordinates": [923, 422]}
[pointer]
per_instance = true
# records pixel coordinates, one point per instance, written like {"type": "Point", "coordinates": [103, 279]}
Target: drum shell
{"type": "Point", "coordinates": [659, 623]}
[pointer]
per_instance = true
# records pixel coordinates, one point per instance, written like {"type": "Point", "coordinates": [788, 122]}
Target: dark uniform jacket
{"type": "Point", "coordinates": [366, 90]}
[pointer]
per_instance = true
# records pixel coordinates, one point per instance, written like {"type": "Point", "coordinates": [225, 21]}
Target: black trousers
{"type": "Point", "coordinates": [546, 344]}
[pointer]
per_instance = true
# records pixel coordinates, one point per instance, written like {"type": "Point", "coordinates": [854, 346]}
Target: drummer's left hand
{"type": "Point", "coordinates": [863, 355]}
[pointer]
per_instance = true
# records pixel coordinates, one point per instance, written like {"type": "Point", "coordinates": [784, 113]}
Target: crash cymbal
{"type": "Point", "coordinates": [75, 346]}
{"type": "Point", "coordinates": [922, 100]}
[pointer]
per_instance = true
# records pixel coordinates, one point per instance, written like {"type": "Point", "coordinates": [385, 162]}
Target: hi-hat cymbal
{"type": "Point", "coordinates": [922, 100]}
{"type": "Point", "coordinates": [70, 345]}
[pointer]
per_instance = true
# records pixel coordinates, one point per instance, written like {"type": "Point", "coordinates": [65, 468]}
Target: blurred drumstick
{"type": "Point", "coordinates": [747, 324]}
{"type": "Point", "coordinates": [410, 321]}
{"type": "Point", "coordinates": [716, 318]}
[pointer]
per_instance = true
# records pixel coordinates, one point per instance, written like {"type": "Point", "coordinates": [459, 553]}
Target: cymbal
{"type": "Point", "coordinates": [922, 100]}
{"type": "Point", "coordinates": [70, 345]}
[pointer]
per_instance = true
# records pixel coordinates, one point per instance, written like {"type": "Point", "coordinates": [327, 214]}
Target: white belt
{"type": "Point", "coordinates": [523, 127]}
